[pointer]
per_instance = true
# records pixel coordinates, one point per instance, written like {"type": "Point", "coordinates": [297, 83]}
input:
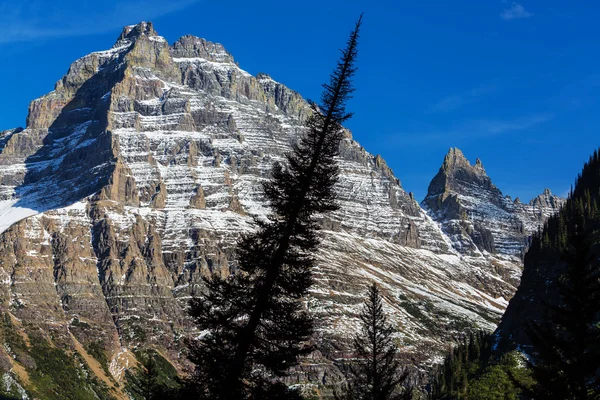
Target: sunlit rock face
{"type": "Point", "coordinates": [477, 216]}
{"type": "Point", "coordinates": [134, 178]}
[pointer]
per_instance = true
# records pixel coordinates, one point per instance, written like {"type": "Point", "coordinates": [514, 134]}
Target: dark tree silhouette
{"type": "Point", "coordinates": [255, 326]}
{"type": "Point", "coordinates": [376, 375]}
{"type": "Point", "coordinates": [464, 363]}
{"type": "Point", "coordinates": [565, 341]}
{"type": "Point", "coordinates": [566, 344]}
{"type": "Point", "coordinates": [144, 382]}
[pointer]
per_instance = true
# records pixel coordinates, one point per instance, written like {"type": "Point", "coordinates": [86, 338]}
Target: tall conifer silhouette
{"type": "Point", "coordinates": [376, 375]}
{"type": "Point", "coordinates": [566, 340]}
{"type": "Point", "coordinates": [255, 326]}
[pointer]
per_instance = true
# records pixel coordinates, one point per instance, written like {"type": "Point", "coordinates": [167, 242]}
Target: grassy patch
{"type": "Point", "coordinates": [414, 310]}
{"type": "Point", "coordinates": [61, 375]}
{"type": "Point", "coordinates": [54, 373]}
{"type": "Point", "coordinates": [96, 350]}
{"type": "Point", "coordinates": [166, 377]}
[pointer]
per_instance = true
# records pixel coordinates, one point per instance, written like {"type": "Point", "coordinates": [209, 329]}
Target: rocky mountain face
{"type": "Point", "coordinates": [136, 175]}
{"type": "Point", "coordinates": [476, 216]}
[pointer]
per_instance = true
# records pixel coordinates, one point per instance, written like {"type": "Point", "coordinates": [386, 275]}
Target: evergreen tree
{"type": "Point", "coordinates": [376, 375]}
{"type": "Point", "coordinates": [255, 327]}
{"type": "Point", "coordinates": [464, 363]}
{"type": "Point", "coordinates": [504, 378]}
{"type": "Point", "coordinates": [144, 382]}
{"type": "Point", "coordinates": [472, 372]}
{"type": "Point", "coordinates": [565, 342]}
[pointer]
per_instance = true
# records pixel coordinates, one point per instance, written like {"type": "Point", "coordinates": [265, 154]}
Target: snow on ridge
{"type": "Point", "coordinates": [159, 39]}
{"type": "Point", "coordinates": [110, 52]}
{"type": "Point", "coordinates": [192, 141]}
{"type": "Point", "coordinates": [11, 214]}
{"type": "Point", "coordinates": [215, 65]}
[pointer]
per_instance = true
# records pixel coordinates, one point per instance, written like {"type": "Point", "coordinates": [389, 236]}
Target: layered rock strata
{"type": "Point", "coordinates": [475, 214]}
{"type": "Point", "coordinates": [136, 175]}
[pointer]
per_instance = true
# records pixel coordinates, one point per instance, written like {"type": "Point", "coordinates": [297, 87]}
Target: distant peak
{"type": "Point", "coordinates": [131, 32]}
{"type": "Point", "coordinates": [546, 199]}
{"type": "Point", "coordinates": [455, 171]}
{"type": "Point", "coordinates": [478, 163]}
{"type": "Point", "coordinates": [11, 131]}
{"type": "Point", "coordinates": [190, 46]}
{"type": "Point", "coordinates": [546, 194]}
{"type": "Point", "coordinates": [263, 76]}
{"type": "Point", "coordinates": [455, 159]}
{"type": "Point", "coordinates": [455, 152]}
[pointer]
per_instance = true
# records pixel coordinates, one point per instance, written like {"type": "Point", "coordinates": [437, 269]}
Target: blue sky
{"type": "Point", "coordinates": [516, 84]}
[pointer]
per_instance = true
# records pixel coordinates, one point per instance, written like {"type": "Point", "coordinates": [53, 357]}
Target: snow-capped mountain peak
{"type": "Point", "coordinates": [144, 166]}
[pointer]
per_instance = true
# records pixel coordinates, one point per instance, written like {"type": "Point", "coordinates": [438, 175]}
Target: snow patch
{"type": "Point", "coordinates": [11, 214]}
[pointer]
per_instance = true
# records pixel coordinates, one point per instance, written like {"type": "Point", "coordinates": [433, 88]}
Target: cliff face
{"type": "Point", "coordinates": [136, 175]}
{"type": "Point", "coordinates": [476, 216]}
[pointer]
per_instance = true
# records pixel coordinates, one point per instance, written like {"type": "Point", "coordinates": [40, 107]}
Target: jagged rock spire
{"type": "Point", "coordinates": [456, 168]}
{"type": "Point", "coordinates": [546, 199]}
{"type": "Point", "coordinates": [455, 198]}
{"type": "Point", "coordinates": [454, 158]}
{"type": "Point", "coordinates": [194, 47]}
{"type": "Point", "coordinates": [131, 32]}
{"type": "Point", "coordinates": [479, 165]}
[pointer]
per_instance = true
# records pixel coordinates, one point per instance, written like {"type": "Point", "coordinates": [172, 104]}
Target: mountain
{"type": "Point", "coordinates": [137, 174]}
{"type": "Point", "coordinates": [476, 216]}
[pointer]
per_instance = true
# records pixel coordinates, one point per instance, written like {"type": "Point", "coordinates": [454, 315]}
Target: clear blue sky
{"type": "Point", "coordinates": [516, 84]}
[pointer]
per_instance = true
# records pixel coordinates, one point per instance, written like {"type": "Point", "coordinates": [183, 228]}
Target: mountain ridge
{"type": "Point", "coordinates": [475, 213]}
{"type": "Point", "coordinates": [144, 165]}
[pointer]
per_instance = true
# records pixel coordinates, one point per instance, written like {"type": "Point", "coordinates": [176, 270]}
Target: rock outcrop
{"type": "Point", "coordinates": [475, 214]}
{"type": "Point", "coordinates": [134, 178]}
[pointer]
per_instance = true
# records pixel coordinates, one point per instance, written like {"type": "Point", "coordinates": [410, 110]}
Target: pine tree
{"type": "Point", "coordinates": [255, 326]}
{"type": "Point", "coordinates": [565, 342]}
{"type": "Point", "coordinates": [376, 375]}
{"type": "Point", "coordinates": [144, 382]}
{"type": "Point", "coordinates": [463, 364]}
